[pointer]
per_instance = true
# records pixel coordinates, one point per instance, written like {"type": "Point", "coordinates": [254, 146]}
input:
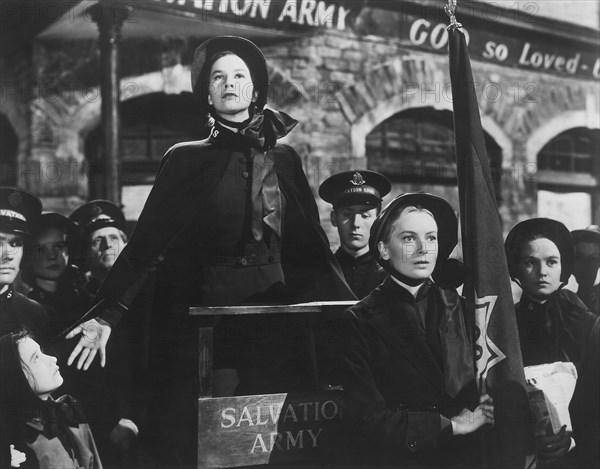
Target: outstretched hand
{"type": "Point", "coordinates": [94, 336]}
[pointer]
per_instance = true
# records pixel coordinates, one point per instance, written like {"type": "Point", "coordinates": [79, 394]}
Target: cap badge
{"type": "Point", "coordinates": [357, 179]}
{"type": "Point", "coordinates": [96, 210]}
{"type": "Point", "coordinates": [15, 199]}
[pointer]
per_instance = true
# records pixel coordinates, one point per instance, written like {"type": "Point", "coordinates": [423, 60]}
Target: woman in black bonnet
{"type": "Point", "coordinates": [230, 220]}
{"type": "Point", "coordinates": [38, 431]}
{"type": "Point", "coordinates": [553, 322]}
{"type": "Point", "coordinates": [407, 356]}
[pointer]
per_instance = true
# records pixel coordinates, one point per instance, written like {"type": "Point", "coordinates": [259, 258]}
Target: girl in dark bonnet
{"type": "Point", "coordinates": [38, 431]}
{"type": "Point", "coordinates": [553, 322]}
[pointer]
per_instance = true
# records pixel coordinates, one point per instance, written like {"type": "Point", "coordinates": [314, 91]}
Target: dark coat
{"type": "Point", "coordinates": [591, 298]}
{"type": "Point", "coordinates": [50, 453]}
{"type": "Point", "coordinates": [171, 218]}
{"type": "Point", "coordinates": [585, 404]}
{"type": "Point", "coordinates": [19, 312]}
{"type": "Point", "coordinates": [66, 305]}
{"type": "Point", "coordinates": [362, 273]}
{"type": "Point", "coordinates": [188, 174]}
{"type": "Point", "coordinates": [556, 330]}
{"type": "Point", "coordinates": [397, 394]}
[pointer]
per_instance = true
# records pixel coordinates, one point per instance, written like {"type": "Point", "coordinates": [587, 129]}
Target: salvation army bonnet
{"type": "Point", "coordinates": [442, 212]}
{"type": "Point", "coordinates": [246, 50]}
{"type": "Point", "coordinates": [528, 230]}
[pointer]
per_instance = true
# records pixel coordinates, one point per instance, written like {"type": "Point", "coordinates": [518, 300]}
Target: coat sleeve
{"type": "Point", "coordinates": [408, 431]}
{"type": "Point", "coordinates": [311, 265]}
{"type": "Point", "coordinates": [186, 177]}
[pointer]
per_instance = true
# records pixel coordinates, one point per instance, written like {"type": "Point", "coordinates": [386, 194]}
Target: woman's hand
{"type": "Point", "coordinates": [94, 336]}
{"type": "Point", "coordinates": [467, 421]}
{"type": "Point", "coordinates": [16, 457]}
{"type": "Point", "coordinates": [553, 447]}
{"type": "Point", "coordinates": [123, 436]}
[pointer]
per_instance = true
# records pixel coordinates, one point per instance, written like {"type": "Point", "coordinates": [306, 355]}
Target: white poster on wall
{"type": "Point", "coordinates": [574, 209]}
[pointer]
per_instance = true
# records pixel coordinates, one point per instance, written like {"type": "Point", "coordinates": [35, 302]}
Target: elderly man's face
{"type": "Point", "coordinates": [104, 247]}
{"type": "Point", "coordinates": [11, 253]}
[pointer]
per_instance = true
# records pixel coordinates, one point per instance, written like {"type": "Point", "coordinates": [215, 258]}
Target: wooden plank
{"type": "Point", "coordinates": [205, 362]}
{"type": "Point", "coordinates": [313, 307]}
{"type": "Point", "coordinates": [269, 428]}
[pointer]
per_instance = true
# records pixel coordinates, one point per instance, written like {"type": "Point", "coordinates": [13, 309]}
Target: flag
{"type": "Point", "coordinates": [489, 305]}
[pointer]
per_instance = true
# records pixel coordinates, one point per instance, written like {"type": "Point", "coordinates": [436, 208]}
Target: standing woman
{"type": "Point", "coordinates": [230, 220]}
{"type": "Point", "coordinates": [407, 357]}
{"type": "Point", "coordinates": [553, 322]}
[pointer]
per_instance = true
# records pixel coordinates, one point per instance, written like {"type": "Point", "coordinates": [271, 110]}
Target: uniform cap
{"type": "Point", "coordinates": [18, 210]}
{"type": "Point", "coordinates": [97, 214]}
{"type": "Point", "coordinates": [359, 187]}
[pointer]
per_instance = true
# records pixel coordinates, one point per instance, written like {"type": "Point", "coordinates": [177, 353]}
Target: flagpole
{"type": "Point", "coordinates": [487, 290]}
{"type": "Point", "coordinates": [450, 10]}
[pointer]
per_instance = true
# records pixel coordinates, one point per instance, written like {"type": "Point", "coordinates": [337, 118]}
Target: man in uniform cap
{"type": "Point", "coordinates": [102, 225]}
{"type": "Point", "coordinates": [586, 267]}
{"type": "Point", "coordinates": [18, 209]}
{"type": "Point", "coordinates": [356, 198]}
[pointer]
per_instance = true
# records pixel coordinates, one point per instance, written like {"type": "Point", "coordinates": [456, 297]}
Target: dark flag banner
{"type": "Point", "coordinates": [499, 367]}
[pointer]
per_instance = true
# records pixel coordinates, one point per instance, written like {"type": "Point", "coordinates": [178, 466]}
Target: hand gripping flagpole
{"type": "Point", "coordinates": [450, 9]}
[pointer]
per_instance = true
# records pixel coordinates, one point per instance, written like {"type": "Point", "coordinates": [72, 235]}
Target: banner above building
{"type": "Point", "coordinates": [496, 35]}
{"type": "Point", "coordinates": [338, 14]}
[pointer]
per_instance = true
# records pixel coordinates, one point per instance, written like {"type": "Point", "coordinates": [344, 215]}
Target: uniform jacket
{"type": "Point", "coordinates": [18, 312]}
{"type": "Point", "coordinates": [397, 394]}
{"type": "Point", "coordinates": [174, 212]}
{"type": "Point", "coordinates": [50, 453]}
{"type": "Point", "coordinates": [363, 273]}
{"type": "Point", "coordinates": [66, 305]}
{"type": "Point", "coordinates": [556, 330]}
{"type": "Point", "coordinates": [591, 298]}
{"type": "Point", "coordinates": [585, 404]}
{"type": "Point", "coordinates": [188, 174]}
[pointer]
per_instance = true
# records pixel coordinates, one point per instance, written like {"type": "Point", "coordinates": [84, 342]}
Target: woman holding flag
{"type": "Point", "coordinates": [407, 357]}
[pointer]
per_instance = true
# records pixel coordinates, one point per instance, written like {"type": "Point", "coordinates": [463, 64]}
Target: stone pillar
{"type": "Point", "coordinates": [109, 16]}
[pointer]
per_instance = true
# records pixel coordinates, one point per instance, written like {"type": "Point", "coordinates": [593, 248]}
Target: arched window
{"type": "Point", "coordinates": [568, 185]}
{"type": "Point", "coordinates": [150, 125]}
{"type": "Point", "coordinates": [415, 149]}
{"type": "Point", "coordinates": [9, 146]}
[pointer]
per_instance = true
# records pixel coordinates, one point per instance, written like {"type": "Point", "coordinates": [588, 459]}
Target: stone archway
{"type": "Point", "coordinates": [553, 127]}
{"type": "Point", "coordinates": [553, 190]}
{"type": "Point", "coordinates": [396, 86]}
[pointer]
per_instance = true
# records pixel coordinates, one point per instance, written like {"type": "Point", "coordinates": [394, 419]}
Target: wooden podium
{"type": "Point", "coordinates": [304, 430]}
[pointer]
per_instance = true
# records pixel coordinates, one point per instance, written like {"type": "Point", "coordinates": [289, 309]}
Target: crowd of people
{"type": "Point", "coordinates": [231, 220]}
